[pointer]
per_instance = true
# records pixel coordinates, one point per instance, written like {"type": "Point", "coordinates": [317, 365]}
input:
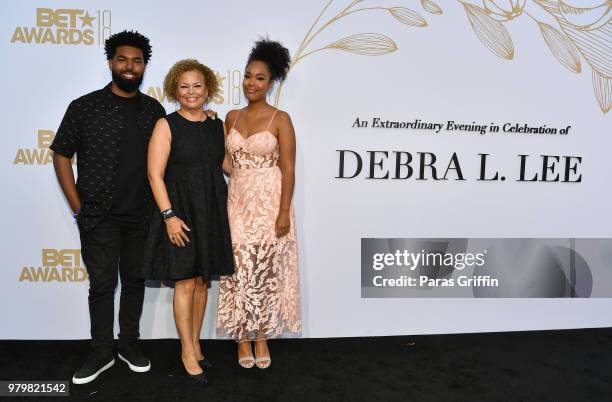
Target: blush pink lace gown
{"type": "Point", "coordinates": [262, 299]}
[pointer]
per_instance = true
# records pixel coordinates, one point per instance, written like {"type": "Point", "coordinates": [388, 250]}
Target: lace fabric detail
{"type": "Point", "coordinates": [246, 160]}
{"type": "Point", "coordinates": [262, 299]}
{"type": "Point", "coordinates": [252, 206]}
{"type": "Point", "coordinates": [257, 151]}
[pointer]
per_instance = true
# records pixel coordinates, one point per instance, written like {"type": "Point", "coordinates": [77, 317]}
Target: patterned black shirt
{"type": "Point", "coordinates": [92, 128]}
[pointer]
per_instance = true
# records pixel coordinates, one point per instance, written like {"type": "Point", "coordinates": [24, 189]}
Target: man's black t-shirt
{"type": "Point", "coordinates": [93, 129]}
{"type": "Point", "coordinates": [128, 207]}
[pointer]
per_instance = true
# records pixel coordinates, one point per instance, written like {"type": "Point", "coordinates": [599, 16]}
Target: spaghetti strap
{"type": "Point", "coordinates": [269, 124]}
{"type": "Point", "coordinates": [237, 114]}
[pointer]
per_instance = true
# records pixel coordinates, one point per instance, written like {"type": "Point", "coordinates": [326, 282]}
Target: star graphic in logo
{"type": "Point", "coordinates": [86, 19]}
{"type": "Point", "coordinates": [219, 79]}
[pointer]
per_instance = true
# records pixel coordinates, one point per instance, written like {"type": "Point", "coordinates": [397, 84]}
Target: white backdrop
{"type": "Point", "coordinates": [437, 72]}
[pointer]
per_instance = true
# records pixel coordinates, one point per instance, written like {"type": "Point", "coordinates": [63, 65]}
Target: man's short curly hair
{"type": "Point", "coordinates": [182, 66]}
{"type": "Point", "coordinates": [127, 38]}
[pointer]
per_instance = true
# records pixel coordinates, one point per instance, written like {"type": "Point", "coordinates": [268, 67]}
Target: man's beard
{"type": "Point", "coordinates": [127, 85]}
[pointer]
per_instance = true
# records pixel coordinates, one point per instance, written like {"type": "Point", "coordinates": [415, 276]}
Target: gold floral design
{"type": "Point", "coordinates": [584, 31]}
{"type": "Point", "coordinates": [367, 44]}
{"type": "Point", "coordinates": [490, 31]}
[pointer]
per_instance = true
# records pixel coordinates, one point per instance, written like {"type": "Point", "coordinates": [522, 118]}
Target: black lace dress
{"type": "Point", "coordinates": [198, 194]}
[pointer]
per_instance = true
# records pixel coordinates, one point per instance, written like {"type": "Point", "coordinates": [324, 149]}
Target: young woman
{"type": "Point", "coordinates": [189, 239]}
{"type": "Point", "coordinates": [262, 299]}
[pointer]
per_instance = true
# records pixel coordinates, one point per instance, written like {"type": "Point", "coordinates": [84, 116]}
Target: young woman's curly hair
{"type": "Point", "coordinates": [275, 55]}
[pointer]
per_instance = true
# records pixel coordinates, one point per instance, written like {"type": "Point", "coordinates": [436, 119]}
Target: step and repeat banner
{"type": "Point", "coordinates": [453, 157]}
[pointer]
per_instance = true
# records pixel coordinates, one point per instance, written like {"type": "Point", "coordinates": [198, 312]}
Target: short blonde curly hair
{"type": "Point", "coordinates": [182, 66]}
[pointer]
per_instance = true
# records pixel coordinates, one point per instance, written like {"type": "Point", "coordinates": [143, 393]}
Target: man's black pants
{"type": "Point", "coordinates": [105, 248]}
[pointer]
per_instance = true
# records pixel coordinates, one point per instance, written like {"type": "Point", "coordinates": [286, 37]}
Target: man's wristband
{"type": "Point", "coordinates": [76, 213]}
{"type": "Point", "coordinates": [167, 214]}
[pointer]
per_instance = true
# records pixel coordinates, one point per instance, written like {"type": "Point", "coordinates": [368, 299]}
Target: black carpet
{"type": "Point", "coordinates": [570, 365]}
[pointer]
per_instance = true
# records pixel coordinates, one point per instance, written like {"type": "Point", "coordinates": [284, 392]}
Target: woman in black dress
{"type": "Point", "coordinates": [189, 238]}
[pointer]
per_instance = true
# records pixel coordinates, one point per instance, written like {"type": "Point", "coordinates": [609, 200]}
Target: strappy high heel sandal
{"type": "Point", "coordinates": [247, 361]}
{"type": "Point", "coordinates": [262, 362]}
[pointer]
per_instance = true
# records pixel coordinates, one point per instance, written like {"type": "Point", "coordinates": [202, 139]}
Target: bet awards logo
{"type": "Point", "coordinates": [64, 265]}
{"type": "Point", "coordinates": [38, 156]}
{"type": "Point", "coordinates": [230, 89]}
{"type": "Point", "coordinates": [66, 26]}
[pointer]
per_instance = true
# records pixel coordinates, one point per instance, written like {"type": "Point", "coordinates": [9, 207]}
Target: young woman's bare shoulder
{"type": "Point", "coordinates": [283, 118]}
{"type": "Point", "coordinates": [231, 116]}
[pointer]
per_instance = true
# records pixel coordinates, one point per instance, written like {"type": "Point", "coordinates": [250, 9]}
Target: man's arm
{"type": "Point", "coordinates": [66, 143]}
{"type": "Point", "coordinates": [65, 177]}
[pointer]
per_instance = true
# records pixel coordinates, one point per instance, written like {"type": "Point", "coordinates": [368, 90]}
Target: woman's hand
{"type": "Point", "coordinates": [211, 113]}
{"type": "Point", "coordinates": [176, 231]}
{"type": "Point", "coordinates": [283, 223]}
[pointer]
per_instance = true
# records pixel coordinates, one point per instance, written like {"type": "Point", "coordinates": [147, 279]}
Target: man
{"type": "Point", "coordinates": [109, 130]}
